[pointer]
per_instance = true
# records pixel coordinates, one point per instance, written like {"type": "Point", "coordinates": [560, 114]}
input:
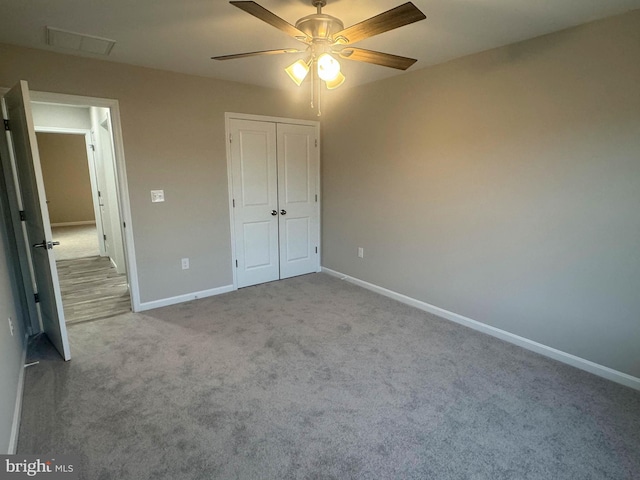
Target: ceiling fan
{"type": "Point", "coordinates": [326, 38]}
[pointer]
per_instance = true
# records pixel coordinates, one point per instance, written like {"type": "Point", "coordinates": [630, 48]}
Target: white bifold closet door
{"type": "Point", "coordinates": [275, 195]}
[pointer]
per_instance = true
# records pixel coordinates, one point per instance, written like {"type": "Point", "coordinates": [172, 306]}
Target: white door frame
{"type": "Point", "coordinates": [261, 118]}
{"type": "Point", "coordinates": [121, 173]}
{"type": "Point", "coordinates": [92, 174]}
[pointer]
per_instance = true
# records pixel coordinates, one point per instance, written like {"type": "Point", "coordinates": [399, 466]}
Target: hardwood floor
{"type": "Point", "coordinates": [92, 289]}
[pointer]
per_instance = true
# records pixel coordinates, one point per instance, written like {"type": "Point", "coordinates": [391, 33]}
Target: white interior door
{"type": "Point", "coordinates": [114, 240]}
{"type": "Point", "coordinates": [298, 163]}
{"type": "Point", "coordinates": [98, 207]}
{"type": "Point", "coordinates": [38, 228]}
{"type": "Point", "coordinates": [255, 198]}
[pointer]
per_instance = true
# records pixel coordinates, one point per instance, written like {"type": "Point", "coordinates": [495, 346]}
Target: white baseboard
{"type": "Point", "coordinates": [17, 411]}
{"type": "Point", "coordinates": [164, 302]}
{"type": "Point", "coordinates": [73, 224]}
{"type": "Point", "coordinates": [564, 357]}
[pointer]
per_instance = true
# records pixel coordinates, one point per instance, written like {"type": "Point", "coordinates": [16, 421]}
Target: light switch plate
{"type": "Point", "coordinates": [157, 196]}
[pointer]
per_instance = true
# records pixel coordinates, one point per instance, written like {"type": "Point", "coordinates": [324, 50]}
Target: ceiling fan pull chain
{"type": "Point", "coordinates": [319, 100]}
{"type": "Point", "coordinates": [313, 81]}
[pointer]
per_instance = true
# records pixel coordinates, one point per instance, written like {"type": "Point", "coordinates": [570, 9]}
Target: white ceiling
{"type": "Point", "coordinates": [182, 35]}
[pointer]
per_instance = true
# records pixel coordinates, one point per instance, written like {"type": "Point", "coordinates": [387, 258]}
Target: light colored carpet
{"type": "Point", "coordinates": [92, 289]}
{"type": "Point", "coordinates": [76, 242]}
{"type": "Point", "coordinates": [315, 378]}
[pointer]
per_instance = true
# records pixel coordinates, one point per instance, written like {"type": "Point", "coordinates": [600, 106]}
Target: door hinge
{"type": "Point", "coordinates": [316, 198]}
{"type": "Point", "coordinates": [36, 297]}
{"type": "Point", "coordinates": [124, 224]}
{"type": "Point", "coordinates": [93, 147]}
{"type": "Point", "coordinates": [230, 138]}
{"type": "Point", "coordinates": [236, 263]}
{"type": "Point", "coordinates": [316, 249]}
{"type": "Point", "coordinates": [99, 194]}
{"type": "Point", "coordinates": [104, 237]}
{"type": "Point", "coordinates": [7, 125]}
{"type": "Point", "coordinates": [234, 203]}
{"type": "Point", "coordinates": [23, 217]}
{"type": "Point", "coordinates": [316, 143]}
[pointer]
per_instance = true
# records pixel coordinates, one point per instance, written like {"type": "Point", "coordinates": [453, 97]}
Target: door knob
{"type": "Point", "coordinates": [283, 212]}
{"type": "Point", "coordinates": [274, 212]}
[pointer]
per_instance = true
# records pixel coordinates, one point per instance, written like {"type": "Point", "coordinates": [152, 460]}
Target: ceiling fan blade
{"type": "Point", "coordinates": [252, 54]}
{"type": "Point", "coordinates": [396, 17]}
{"type": "Point", "coordinates": [272, 19]}
{"type": "Point", "coordinates": [378, 58]}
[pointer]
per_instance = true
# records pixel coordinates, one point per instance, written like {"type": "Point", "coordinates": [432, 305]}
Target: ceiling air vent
{"type": "Point", "coordinates": [78, 41]}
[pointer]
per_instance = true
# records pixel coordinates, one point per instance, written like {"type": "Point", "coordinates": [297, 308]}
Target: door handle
{"type": "Point", "coordinates": [274, 212]}
{"type": "Point", "coordinates": [45, 244]}
{"type": "Point", "coordinates": [283, 212]}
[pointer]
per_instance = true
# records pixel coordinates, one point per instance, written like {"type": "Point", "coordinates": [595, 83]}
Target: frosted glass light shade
{"type": "Point", "coordinates": [335, 83]}
{"type": "Point", "coordinates": [328, 67]}
{"type": "Point", "coordinates": [298, 70]}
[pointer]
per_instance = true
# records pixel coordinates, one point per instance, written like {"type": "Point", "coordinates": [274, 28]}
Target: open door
{"type": "Point", "coordinates": [36, 216]}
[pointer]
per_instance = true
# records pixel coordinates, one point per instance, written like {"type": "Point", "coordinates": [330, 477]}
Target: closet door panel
{"type": "Point", "coordinates": [297, 238]}
{"type": "Point", "coordinates": [298, 163]}
{"type": "Point", "coordinates": [255, 194]}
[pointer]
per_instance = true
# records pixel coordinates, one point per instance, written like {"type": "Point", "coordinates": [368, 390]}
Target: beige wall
{"type": "Point", "coordinates": [173, 130]}
{"type": "Point", "coordinates": [66, 177]}
{"type": "Point", "coordinates": [504, 187]}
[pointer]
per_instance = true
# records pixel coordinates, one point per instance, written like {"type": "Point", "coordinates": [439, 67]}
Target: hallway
{"type": "Point", "coordinates": [91, 287]}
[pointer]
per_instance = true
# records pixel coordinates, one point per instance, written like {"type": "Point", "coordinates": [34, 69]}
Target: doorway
{"type": "Point", "coordinates": [33, 227]}
{"type": "Point", "coordinates": [81, 198]}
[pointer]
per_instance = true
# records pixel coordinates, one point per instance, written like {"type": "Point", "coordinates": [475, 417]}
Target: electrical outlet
{"type": "Point", "coordinates": [11, 326]}
{"type": "Point", "coordinates": [157, 196]}
{"type": "Point", "coordinates": [185, 263]}
{"type": "Point", "coordinates": [360, 252]}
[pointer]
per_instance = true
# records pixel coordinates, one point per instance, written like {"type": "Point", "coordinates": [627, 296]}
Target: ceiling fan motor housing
{"type": "Point", "coordinates": [320, 26]}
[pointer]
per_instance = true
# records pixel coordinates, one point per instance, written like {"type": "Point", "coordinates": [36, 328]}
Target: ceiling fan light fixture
{"type": "Point", "coordinates": [298, 71]}
{"type": "Point", "coordinates": [335, 83]}
{"type": "Point", "coordinates": [328, 67]}
{"type": "Point", "coordinates": [324, 34]}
